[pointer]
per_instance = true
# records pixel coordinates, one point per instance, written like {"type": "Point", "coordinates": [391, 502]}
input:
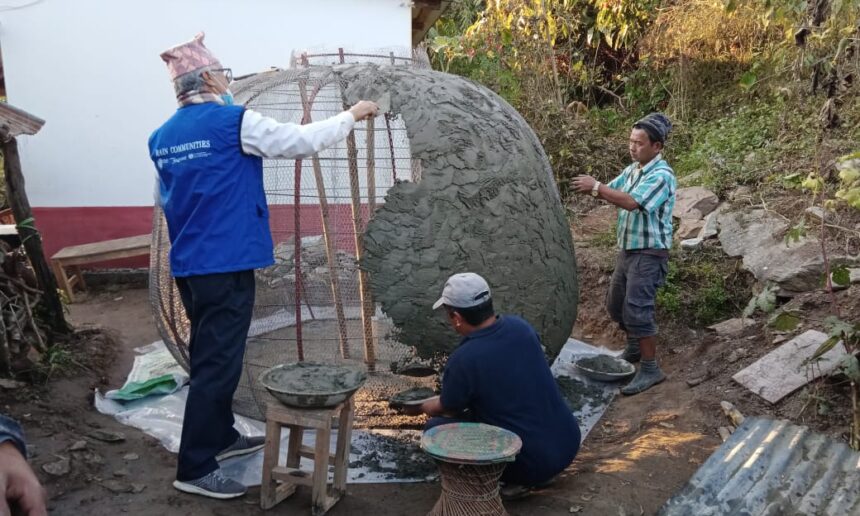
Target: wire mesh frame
{"type": "Point", "coordinates": [313, 304]}
{"type": "Point", "coordinates": [417, 58]}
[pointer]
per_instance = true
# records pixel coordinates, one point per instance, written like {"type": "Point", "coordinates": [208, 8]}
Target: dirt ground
{"type": "Point", "coordinates": [644, 450]}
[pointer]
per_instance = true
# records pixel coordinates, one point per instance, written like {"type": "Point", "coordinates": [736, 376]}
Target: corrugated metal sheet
{"type": "Point", "coordinates": [772, 467]}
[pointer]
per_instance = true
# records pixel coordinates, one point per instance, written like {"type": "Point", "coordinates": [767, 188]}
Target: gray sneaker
{"type": "Point", "coordinates": [242, 446]}
{"type": "Point", "coordinates": [213, 485]}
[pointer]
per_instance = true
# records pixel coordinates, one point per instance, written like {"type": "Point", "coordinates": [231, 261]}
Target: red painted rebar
{"type": "Point", "coordinates": [297, 257]}
{"type": "Point", "coordinates": [391, 148]}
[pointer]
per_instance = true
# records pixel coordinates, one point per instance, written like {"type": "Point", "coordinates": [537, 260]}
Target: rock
{"type": "Point", "coordinates": [741, 193]}
{"type": "Point", "coordinates": [736, 355]}
{"type": "Point", "coordinates": [731, 327]}
{"type": "Point", "coordinates": [690, 179]}
{"type": "Point", "coordinates": [757, 236]}
{"type": "Point", "coordinates": [131, 456]}
{"type": "Point", "coordinates": [7, 384]}
{"type": "Point", "coordinates": [58, 468]}
{"type": "Point", "coordinates": [816, 212]}
{"type": "Point", "coordinates": [779, 339]}
{"type": "Point", "coordinates": [710, 228]}
{"type": "Point", "coordinates": [732, 413]}
{"type": "Point", "coordinates": [691, 243]}
{"type": "Point", "coordinates": [741, 232]}
{"type": "Point", "coordinates": [137, 488]}
{"type": "Point", "coordinates": [93, 458]}
{"type": "Point", "coordinates": [285, 251]}
{"type": "Point", "coordinates": [854, 275]}
{"type": "Point", "coordinates": [694, 202]}
{"type": "Point", "coordinates": [115, 486]}
{"type": "Point", "coordinates": [107, 436]}
{"type": "Point", "coordinates": [692, 382]}
{"type": "Point", "coordinates": [121, 473]}
{"type": "Point", "coordinates": [78, 445]}
{"type": "Point", "coordinates": [689, 228]}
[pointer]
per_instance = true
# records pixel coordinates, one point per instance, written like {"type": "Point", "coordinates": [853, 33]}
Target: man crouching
{"type": "Point", "coordinates": [499, 375]}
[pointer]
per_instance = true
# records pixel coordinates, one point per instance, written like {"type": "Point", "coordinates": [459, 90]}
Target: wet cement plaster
{"type": "Point", "coordinates": [486, 203]}
{"type": "Point", "coordinates": [313, 378]}
{"type": "Point", "coordinates": [603, 364]}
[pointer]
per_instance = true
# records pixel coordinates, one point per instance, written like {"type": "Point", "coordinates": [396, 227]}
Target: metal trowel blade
{"type": "Point", "coordinates": [384, 103]}
{"type": "Point", "coordinates": [416, 370]}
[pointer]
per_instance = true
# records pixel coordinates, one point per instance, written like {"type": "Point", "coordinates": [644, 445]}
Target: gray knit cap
{"type": "Point", "coordinates": [657, 125]}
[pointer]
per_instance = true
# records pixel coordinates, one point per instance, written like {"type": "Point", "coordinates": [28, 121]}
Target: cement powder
{"type": "Point", "coordinates": [578, 394]}
{"type": "Point", "coordinates": [486, 203]}
{"type": "Point", "coordinates": [396, 456]}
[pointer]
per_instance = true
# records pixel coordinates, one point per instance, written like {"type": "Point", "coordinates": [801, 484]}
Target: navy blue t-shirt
{"type": "Point", "coordinates": [501, 375]}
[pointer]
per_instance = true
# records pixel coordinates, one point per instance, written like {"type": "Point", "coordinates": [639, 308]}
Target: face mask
{"type": "Point", "coordinates": [227, 97]}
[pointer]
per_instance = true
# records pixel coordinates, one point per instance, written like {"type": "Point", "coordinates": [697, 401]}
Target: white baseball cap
{"type": "Point", "coordinates": [464, 290]}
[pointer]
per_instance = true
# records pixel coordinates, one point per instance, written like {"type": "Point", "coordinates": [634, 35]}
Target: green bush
{"type": "Point", "coordinates": [702, 288]}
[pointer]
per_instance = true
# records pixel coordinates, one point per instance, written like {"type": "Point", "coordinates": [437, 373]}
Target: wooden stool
{"type": "Point", "coordinates": [280, 482]}
{"type": "Point", "coordinates": [471, 459]}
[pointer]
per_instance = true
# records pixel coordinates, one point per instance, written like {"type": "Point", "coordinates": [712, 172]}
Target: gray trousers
{"type": "Point", "coordinates": [630, 300]}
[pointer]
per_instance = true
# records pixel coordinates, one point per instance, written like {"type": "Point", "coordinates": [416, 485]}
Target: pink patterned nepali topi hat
{"type": "Point", "coordinates": [188, 57]}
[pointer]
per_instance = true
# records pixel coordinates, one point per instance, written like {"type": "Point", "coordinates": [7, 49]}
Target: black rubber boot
{"type": "Point", "coordinates": [648, 376]}
{"type": "Point", "coordinates": [631, 353]}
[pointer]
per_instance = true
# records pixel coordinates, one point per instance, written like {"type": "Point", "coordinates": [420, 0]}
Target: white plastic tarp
{"type": "Point", "coordinates": [161, 417]}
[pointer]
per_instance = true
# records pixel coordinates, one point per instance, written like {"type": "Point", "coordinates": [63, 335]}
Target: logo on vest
{"type": "Point", "coordinates": [169, 154]}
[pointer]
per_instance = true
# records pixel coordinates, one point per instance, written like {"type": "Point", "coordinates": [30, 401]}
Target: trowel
{"type": "Point", "coordinates": [384, 103]}
{"type": "Point", "coordinates": [415, 370]}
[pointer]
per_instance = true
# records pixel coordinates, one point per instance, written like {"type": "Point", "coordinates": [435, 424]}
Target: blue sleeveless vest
{"type": "Point", "coordinates": [211, 192]}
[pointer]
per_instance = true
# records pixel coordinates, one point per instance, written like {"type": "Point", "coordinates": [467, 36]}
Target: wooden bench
{"type": "Point", "coordinates": [73, 257]}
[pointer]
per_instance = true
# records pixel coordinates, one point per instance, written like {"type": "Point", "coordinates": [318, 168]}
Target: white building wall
{"type": "Point", "coordinates": [91, 69]}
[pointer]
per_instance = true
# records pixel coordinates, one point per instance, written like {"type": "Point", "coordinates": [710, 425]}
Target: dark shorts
{"type": "Point", "coordinates": [630, 300]}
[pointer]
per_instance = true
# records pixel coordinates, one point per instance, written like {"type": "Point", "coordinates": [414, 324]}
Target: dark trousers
{"type": "Point", "coordinates": [633, 291]}
{"type": "Point", "coordinates": [219, 307]}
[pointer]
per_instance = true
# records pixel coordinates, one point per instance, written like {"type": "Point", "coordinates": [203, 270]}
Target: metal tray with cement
{"type": "Point", "coordinates": [410, 397]}
{"type": "Point", "coordinates": [604, 368]}
{"type": "Point", "coordinates": [311, 384]}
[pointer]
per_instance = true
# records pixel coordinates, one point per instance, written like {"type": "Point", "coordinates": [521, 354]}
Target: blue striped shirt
{"type": "Point", "coordinates": [653, 188]}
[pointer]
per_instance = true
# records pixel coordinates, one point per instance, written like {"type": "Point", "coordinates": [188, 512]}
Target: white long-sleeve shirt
{"type": "Point", "coordinates": [266, 137]}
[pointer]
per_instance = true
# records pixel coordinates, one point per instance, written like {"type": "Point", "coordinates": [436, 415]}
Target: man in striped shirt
{"type": "Point", "coordinates": [645, 196]}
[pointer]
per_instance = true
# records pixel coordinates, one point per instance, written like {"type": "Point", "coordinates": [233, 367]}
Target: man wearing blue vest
{"type": "Point", "coordinates": [645, 196]}
{"type": "Point", "coordinates": [210, 185]}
